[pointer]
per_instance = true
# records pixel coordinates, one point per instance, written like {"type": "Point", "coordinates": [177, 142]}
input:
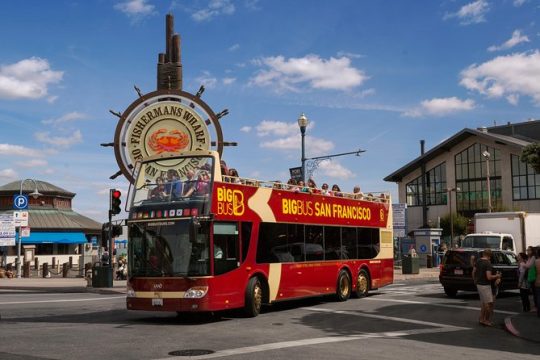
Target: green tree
{"type": "Point", "coordinates": [460, 225]}
{"type": "Point", "coordinates": [531, 156]}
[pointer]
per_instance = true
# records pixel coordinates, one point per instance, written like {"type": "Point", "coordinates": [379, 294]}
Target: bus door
{"type": "Point", "coordinates": [226, 247]}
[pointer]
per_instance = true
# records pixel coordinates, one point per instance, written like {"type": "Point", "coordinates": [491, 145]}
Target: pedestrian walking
{"type": "Point", "coordinates": [523, 283]}
{"type": "Point", "coordinates": [483, 276]}
{"type": "Point", "coordinates": [537, 281]}
{"type": "Point", "coordinates": [532, 273]}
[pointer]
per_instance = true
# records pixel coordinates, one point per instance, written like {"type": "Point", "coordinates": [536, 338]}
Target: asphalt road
{"type": "Point", "coordinates": [412, 320]}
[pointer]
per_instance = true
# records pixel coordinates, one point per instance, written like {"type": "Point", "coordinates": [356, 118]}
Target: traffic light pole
{"type": "Point", "coordinates": [111, 240]}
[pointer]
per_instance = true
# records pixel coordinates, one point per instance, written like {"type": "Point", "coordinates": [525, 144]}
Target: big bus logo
{"type": "Point", "coordinates": [230, 202]}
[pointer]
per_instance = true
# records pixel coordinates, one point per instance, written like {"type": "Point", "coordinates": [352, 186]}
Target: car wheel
{"type": "Point", "coordinates": [450, 292]}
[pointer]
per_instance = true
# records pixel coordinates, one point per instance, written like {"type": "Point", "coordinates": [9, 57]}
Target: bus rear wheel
{"type": "Point", "coordinates": [362, 284]}
{"type": "Point", "coordinates": [343, 289]}
{"type": "Point", "coordinates": [254, 297]}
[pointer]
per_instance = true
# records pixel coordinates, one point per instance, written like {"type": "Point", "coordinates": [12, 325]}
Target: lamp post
{"type": "Point", "coordinates": [486, 156]}
{"type": "Point", "coordinates": [303, 123]}
{"type": "Point", "coordinates": [35, 194]}
{"type": "Point", "coordinates": [450, 190]}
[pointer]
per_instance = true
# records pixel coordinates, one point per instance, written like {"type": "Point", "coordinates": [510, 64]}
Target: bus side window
{"type": "Point", "coordinates": [332, 242]}
{"type": "Point", "coordinates": [246, 236]}
{"type": "Point", "coordinates": [348, 243]}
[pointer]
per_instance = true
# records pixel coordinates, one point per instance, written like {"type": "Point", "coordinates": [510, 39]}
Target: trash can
{"type": "Point", "coordinates": [429, 261]}
{"type": "Point", "coordinates": [410, 265]}
{"type": "Point", "coordinates": [102, 276]}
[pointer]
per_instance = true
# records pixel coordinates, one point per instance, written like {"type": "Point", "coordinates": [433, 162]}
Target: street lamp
{"type": "Point", "coordinates": [303, 123]}
{"type": "Point", "coordinates": [450, 190]}
{"type": "Point", "coordinates": [35, 194]}
{"type": "Point", "coordinates": [486, 156]}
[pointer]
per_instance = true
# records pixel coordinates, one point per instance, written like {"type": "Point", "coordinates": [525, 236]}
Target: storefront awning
{"type": "Point", "coordinates": [55, 238]}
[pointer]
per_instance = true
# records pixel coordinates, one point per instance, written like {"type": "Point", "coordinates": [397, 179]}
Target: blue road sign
{"type": "Point", "coordinates": [20, 202]}
{"type": "Point", "coordinates": [423, 248]}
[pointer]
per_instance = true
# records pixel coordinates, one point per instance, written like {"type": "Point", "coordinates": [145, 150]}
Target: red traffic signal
{"type": "Point", "coordinates": [115, 201]}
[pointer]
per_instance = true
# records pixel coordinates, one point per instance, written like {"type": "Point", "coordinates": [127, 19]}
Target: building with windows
{"type": "Point", "coordinates": [456, 175]}
{"type": "Point", "coordinates": [55, 229]}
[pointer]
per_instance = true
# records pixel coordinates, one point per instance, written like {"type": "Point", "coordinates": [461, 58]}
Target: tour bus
{"type": "Point", "coordinates": [200, 241]}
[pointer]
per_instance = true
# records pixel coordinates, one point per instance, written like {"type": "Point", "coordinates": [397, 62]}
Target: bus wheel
{"type": "Point", "coordinates": [254, 297]}
{"type": "Point", "coordinates": [343, 290]}
{"type": "Point", "coordinates": [362, 284]}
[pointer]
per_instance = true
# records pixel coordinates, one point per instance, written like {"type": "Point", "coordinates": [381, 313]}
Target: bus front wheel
{"type": "Point", "coordinates": [254, 297]}
{"type": "Point", "coordinates": [343, 290]}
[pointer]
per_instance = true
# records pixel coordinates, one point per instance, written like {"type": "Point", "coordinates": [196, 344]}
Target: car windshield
{"type": "Point", "coordinates": [482, 242]}
{"type": "Point", "coordinates": [168, 248]}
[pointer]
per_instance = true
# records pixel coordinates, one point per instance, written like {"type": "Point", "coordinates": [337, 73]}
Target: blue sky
{"type": "Point", "coordinates": [372, 75]}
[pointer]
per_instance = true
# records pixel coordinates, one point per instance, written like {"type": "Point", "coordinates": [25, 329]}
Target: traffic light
{"type": "Point", "coordinates": [115, 201]}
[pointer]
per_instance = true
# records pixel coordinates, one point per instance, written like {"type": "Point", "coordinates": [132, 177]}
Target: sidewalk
{"type": "Point", "coordinates": [65, 285]}
{"type": "Point", "coordinates": [524, 325]}
{"type": "Point", "coordinates": [425, 273]}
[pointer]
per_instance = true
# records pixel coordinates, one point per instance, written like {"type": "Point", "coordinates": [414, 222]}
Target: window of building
{"type": "Point", "coordinates": [525, 181]}
{"type": "Point", "coordinates": [435, 188]}
{"type": "Point", "coordinates": [471, 176]}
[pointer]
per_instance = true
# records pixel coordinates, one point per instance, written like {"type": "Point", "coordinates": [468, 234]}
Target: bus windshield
{"type": "Point", "coordinates": [181, 184]}
{"type": "Point", "coordinates": [169, 248]}
{"type": "Point", "coordinates": [492, 242]}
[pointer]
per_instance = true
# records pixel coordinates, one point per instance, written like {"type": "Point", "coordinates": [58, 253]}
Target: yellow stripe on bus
{"type": "Point", "coordinates": [274, 278]}
{"type": "Point", "coordinates": [160, 294]}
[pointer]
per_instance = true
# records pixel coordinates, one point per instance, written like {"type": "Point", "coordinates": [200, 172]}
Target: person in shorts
{"type": "Point", "coordinates": [483, 276]}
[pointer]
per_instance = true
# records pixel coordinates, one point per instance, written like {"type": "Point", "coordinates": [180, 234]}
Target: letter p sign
{"type": "Point", "coordinates": [20, 202]}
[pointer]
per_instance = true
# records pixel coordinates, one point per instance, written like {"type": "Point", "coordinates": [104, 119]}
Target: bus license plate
{"type": "Point", "coordinates": [458, 272]}
{"type": "Point", "coordinates": [157, 302]}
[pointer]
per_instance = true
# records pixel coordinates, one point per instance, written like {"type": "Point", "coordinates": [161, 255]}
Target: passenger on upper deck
{"type": "Point", "coordinates": [325, 190]}
{"type": "Point", "coordinates": [336, 191]}
{"type": "Point", "coordinates": [235, 178]}
{"type": "Point", "coordinates": [312, 187]}
{"type": "Point", "coordinates": [292, 185]}
{"type": "Point", "coordinates": [190, 184]}
{"type": "Point", "coordinates": [302, 187]}
{"type": "Point", "coordinates": [174, 186]}
{"type": "Point", "coordinates": [159, 192]}
{"type": "Point", "coordinates": [357, 194]}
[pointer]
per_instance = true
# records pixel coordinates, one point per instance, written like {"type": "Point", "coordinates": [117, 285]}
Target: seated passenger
{"type": "Point", "coordinates": [312, 187]}
{"type": "Point", "coordinates": [357, 194]}
{"type": "Point", "coordinates": [203, 183]}
{"type": "Point", "coordinates": [336, 191]}
{"type": "Point", "coordinates": [174, 186]}
{"type": "Point", "coordinates": [190, 185]}
{"type": "Point", "coordinates": [292, 186]}
{"type": "Point", "coordinates": [159, 192]}
{"type": "Point", "coordinates": [234, 177]}
{"type": "Point", "coordinates": [302, 187]}
{"type": "Point", "coordinates": [325, 190]}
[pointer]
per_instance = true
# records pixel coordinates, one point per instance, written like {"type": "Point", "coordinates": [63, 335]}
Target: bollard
{"type": "Point", "coordinates": [45, 270]}
{"type": "Point", "coordinates": [26, 269]}
{"type": "Point", "coordinates": [71, 262]}
{"type": "Point", "coordinates": [36, 264]}
{"type": "Point", "coordinates": [53, 262]}
{"type": "Point", "coordinates": [65, 269]}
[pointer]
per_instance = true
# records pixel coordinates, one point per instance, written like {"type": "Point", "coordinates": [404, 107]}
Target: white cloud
{"type": "Point", "coordinates": [69, 117]}
{"type": "Point", "coordinates": [334, 170]}
{"type": "Point", "coordinates": [472, 13]}
{"type": "Point", "coordinates": [135, 8]}
{"type": "Point", "coordinates": [59, 141]}
{"type": "Point", "coordinates": [228, 80]}
{"type": "Point", "coordinates": [207, 80]}
{"type": "Point", "coordinates": [252, 4]}
{"type": "Point", "coordinates": [214, 8]}
{"type": "Point", "coordinates": [503, 76]}
{"type": "Point", "coordinates": [518, 3]}
{"type": "Point", "coordinates": [516, 39]}
{"type": "Point", "coordinates": [441, 107]}
{"type": "Point", "coordinates": [276, 128]}
{"type": "Point", "coordinates": [33, 163]}
{"type": "Point", "coordinates": [286, 136]}
{"type": "Point", "coordinates": [17, 150]}
{"type": "Point", "coordinates": [234, 47]}
{"type": "Point", "coordinates": [8, 174]}
{"type": "Point", "coordinates": [245, 129]}
{"type": "Point", "coordinates": [287, 74]}
{"type": "Point", "coordinates": [27, 79]}
{"type": "Point", "coordinates": [350, 55]}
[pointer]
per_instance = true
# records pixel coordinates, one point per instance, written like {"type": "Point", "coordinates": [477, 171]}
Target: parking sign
{"type": "Point", "coordinates": [20, 202]}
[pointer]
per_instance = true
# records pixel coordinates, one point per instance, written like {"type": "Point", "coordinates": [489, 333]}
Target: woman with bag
{"type": "Point", "coordinates": [523, 283]}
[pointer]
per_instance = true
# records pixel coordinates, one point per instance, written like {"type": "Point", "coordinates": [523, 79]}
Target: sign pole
{"type": "Point", "coordinates": [19, 240]}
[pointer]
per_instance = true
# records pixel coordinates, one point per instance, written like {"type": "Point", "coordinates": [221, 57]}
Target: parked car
{"type": "Point", "coordinates": [457, 265]}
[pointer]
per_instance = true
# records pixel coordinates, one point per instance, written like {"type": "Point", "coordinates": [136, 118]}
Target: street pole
{"type": "Point", "coordinates": [303, 123]}
{"type": "Point", "coordinates": [486, 156]}
{"type": "Point", "coordinates": [451, 218]}
{"type": "Point", "coordinates": [34, 194]}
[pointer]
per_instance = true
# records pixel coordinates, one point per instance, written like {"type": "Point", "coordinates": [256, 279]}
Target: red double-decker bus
{"type": "Point", "coordinates": [200, 241]}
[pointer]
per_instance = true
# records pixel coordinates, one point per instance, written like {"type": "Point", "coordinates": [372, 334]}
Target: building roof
{"type": "Point", "coordinates": [57, 219]}
{"type": "Point", "coordinates": [527, 130]}
{"type": "Point", "coordinates": [449, 143]}
{"type": "Point", "coordinates": [43, 187]}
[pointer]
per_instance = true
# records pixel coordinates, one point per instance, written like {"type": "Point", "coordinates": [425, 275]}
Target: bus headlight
{"type": "Point", "coordinates": [196, 292]}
